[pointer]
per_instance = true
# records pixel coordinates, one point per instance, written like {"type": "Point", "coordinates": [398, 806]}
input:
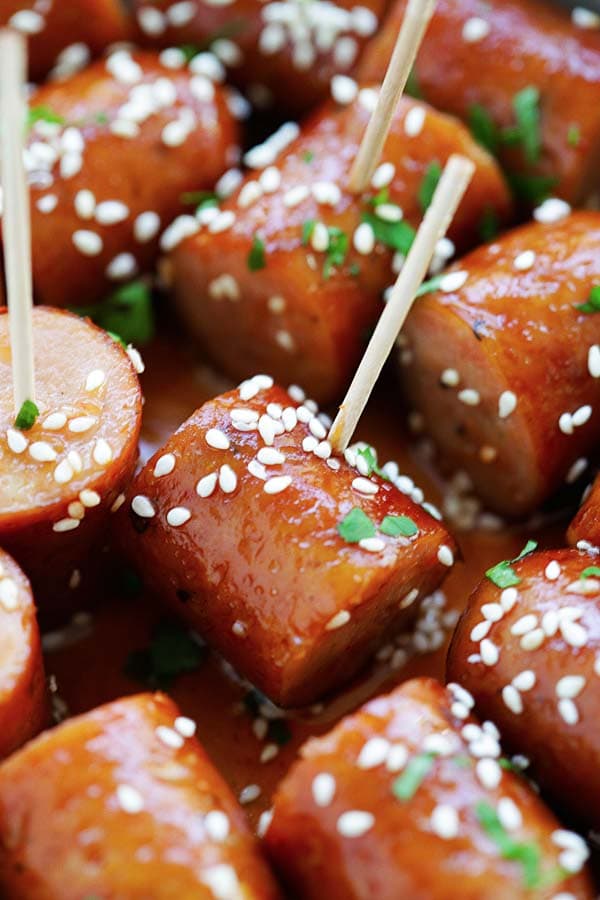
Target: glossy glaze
{"type": "Point", "coordinates": [586, 524]}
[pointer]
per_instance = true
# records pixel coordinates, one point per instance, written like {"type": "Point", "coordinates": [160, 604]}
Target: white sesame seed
{"type": "Point", "coordinates": [270, 179]}
{"type": "Point", "coordinates": [552, 570]}
{"type": "Point", "coordinates": [492, 611]}
{"type": "Point", "coordinates": [475, 29]}
{"type": "Point", "coordinates": [512, 699]}
{"type": "Point", "coordinates": [453, 281]}
{"type": "Point", "coordinates": [164, 465]}
{"type": "Point", "coordinates": [593, 361]}
{"type": "Point", "coordinates": [27, 21]}
{"type": "Point", "coordinates": [550, 621]}
{"type": "Point", "coordinates": [326, 193]}
{"type": "Point", "coordinates": [227, 479]}
{"type": "Point", "coordinates": [151, 21]}
{"type": "Point", "coordinates": [169, 737]}
{"type": "Point", "coordinates": [277, 484]}
{"type": "Point", "coordinates": [122, 266]}
{"type": "Point", "coordinates": [85, 204]}
{"type": "Point", "coordinates": [383, 175]}
{"type": "Point", "coordinates": [217, 439]}
{"type": "Point", "coordinates": [469, 397]}
{"type": "Point", "coordinates": [489, 773]}
{"type": "Point", "coordinates": [414, 121]}
{"type": "Point", "coordinates": [508, 598]}
{"type": "Point", "coordinates": [585, 18]}
{"type": "Point", "coordinates": [373, 753]}
{"type": "Point", "coordinates": [568, 711]}
{"type": "Point", "coordinates": [65, 525]}
{"type": "Point", "coordinates": [146, 226]}
{"type": "Point", "coordinates": [525, 680]}
{"type": "Point", "coordinates": [81, 424]}
{"type": "Point", "coordinates": [445, 821]}
{"type": "Point", "coordinates": [178, 516]}
{"type": "Point", "coordinates": [88, 242]}
{"type": "Point", "coordinates": [344, 90]}
{"type": "Point", "coordinates": [364, 239]}
{"type": "Point", "coordinates": [533, 639]}
{"type": "Point", "coordinates": [570, 686]}
{"type": "Point", "coordinates": [480, 631]}
{"type": "Point", "coordinates": [42, 452]}
{"type": "Point", "coordinates": [355, 823]}
{"type": "Point", "coordinates": [181, 228]}
{"type": "Point", "coordinates": [581, 416]}
{"type": "Point", "coordinates": [269, 456]}
{"type": "Point", "coordinates": [450, 378]}
{"type": "Point", "coordinates": [445, 555]}
{"type": "Point", "coordinates": [143, 507]}
{"type": "Point", "coordinates": [130, 799]}
{"type": "Point", "coordinates": [565, 423]}
{"type": "Point", "coordinates": [364, 486]}
{"type": "Point", "coordinates": [9, 594]}
{"type": "Point", "coordinates": [507, 403]}
{"type": "Point", "coordinates": [552, 210]}
{"type": "Point", "coordinates": [295, 196]}
{"type": "Point", "coordinates": [249, 794]}
{"type": "Point", "coordinates": [340, 619]}
{"type": "Point", "coordinates": [47, 203]}
{"type": "Point", "coordinates": [95, 379]}
{"type": "Point", "coordinates": [397, 758]}
{"type": "Point", "coordinates": [323, 789]}
{"type": "Point", "coordinates": [89, 498]}
{"type": "Point", "coordinates": [524, 624]}
{"type": "Point", "coordinates": [509, 814]}
{"type": "Point", "coordinates": [573, 633]}
{"type": "Point", "coordinates": [17, 442]}
{"type": "Point", "coordinates": [319, 239]}
{"type": "Point", "coordinates": [111, 212]}
{"type": "Point", "coordinates": [186, 727]}
{"type": "Point", "coordinates": [63, 473]}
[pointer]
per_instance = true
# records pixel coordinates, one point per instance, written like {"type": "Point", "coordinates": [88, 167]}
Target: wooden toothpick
{"type": "Point", "coordinates": [16, 226]}
{"type": "Point", "coordinates": [416, 19]}
{"type": "Point", "coordinates": [450, 190]}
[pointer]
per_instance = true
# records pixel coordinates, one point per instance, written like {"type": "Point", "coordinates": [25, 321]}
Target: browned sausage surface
{"type": "Point", "coordinates": [60, 479]}
{"type": "Point", "coordinates": [503, 362]}
{"type": "Point", "coordinates": [527, 647]}
{"type": "Point", "coordinates": [64, 34]}
{"type": "Point", "coordinates": [23, 703]}
{"type": "Point", "coordinates": [110, 154]}
{"type": "Point", "coordinates": [123, 803]}
{"type": "Point", "coordinates": [285, 53]}
{"type": "Point", "coordinates": [585, 527]}
{"type": "Point", "coordinates": [406, 798]}
{"type": "Point", "coordinates": [293, 564]}
{"type": "Point", "coordinates": [526, 78]}
{"type": "Point", "coordinates": [288, 278]}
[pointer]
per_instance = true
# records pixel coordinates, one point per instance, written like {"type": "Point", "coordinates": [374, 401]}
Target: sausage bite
{"type": "Point", "coordinates": [24, 709]}
{"type": "Point", "coordinates": [60, 478]}
{"type": "Point", "coordinates": [282, 54]}
{"type": "Point", "coordinates": [525, 77]}
{"type": "Point", "coordinates": [584, 530]}
{"type": "Point", "coordinates": [124, 802]}
{"type": "Point", "coordinates": [503, 361]}
{"type": "Point", "coordinates": [528, 648]}
{"type": "Point", "coordinates": [291, 562]}
{"type": "Point", "coordinates": [407, 798]}
{"type": "Point", "coordinates": [64, 36]}
{"type": "Point", "coordinates": [111, 151]}
{"type": "Point", "coordinates": [288, 276]}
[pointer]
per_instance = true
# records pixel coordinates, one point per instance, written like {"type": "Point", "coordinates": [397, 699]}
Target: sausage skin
{"type": "Point", "coordinates": [285, 56]}
{"type": "Point", "coordinates": [586, 523]}
{"type": "Point", "coordinates": [258, 566]}
{"type": "Point", "coordinates": [354, 820]}
{"type": "Point", "coordinates": [501, 361]}
{"type": "Point", "coordinates": [60, 479]}
{"type": "Point", "coordinates": [301, 314]}
{"type": "Point", "coordinates": [66, 33]}
{"type": "Point", "coordinates": [123, 802]}
{"type": "Point", "coordinates": [24, 707]}
{"type": "Point", "coordinates": [480, 54]}
{"type": "Point", "coordinates": [134, 137]}
{"type": "Point", "coordinates": [541, 690]}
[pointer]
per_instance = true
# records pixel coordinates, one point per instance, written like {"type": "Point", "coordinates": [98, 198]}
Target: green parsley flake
{"type": "Point", "coordinates": [26, 416]}
{"type": "Point", "coordinates": [429, 184]}
{"type": "Point", "coordinates": [370, 457]}
{"type": "Point", "coordinates": [396, 235]}
{"type": "Point", "coordinates": [383, 196]}
{"type": "Point", "coordinates": [126, 314]}
{"type": "Point", "coordinates": [428, 287]}
{"type": "Point", "coordinates": [256, 256]}
{"type": "Point", "coordinates": [503, 575]}
{"type": "Point", "coordinates": [592, 304]}
{"type": "Point", "coordinates": [528, 855]}
{"type": "Point", "coordinates": [531, 189]}
{"type": "Point", "coordinates": [200, 199]}
{"type": "Point", "coordinates": [399, 526]}
{"type": "Point", "coordinates": [356, 526]}
{"type": "Point", "coordinates": [406, 785]}
{"type": "Point", "coordinates": [573, 135]}
{"type": "Point", "coordinates": [307, 230]}
{"type": "Point", "coordinates": [336, 251]}
{"type": "Point", "coordinates": [172, 651]}
{"type": "Point", "coordinates": [43, 114]}
{"type": "Point", "coordinates": [591, 572]}
{"type": "Point", "coordinates": [413, 88]}
{"type": "Point", "coordinates": [308, 156]}
{"type": "Point", "coordinates": [483, 128]}
{"type": "Point", "coordinates": [527, 131]}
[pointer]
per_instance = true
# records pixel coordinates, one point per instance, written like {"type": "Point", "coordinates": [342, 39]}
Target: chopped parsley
{"type": "Point", "coordinates": [429, 184]}
{"type": "Point", "coordinates": [527, 854]}
{"type": "Point", "coordinates": [370, 457]}
{"type": "Point", "coordinates": [396, 235]}
{"type": "Point", "coordinates": [356, 526]}
{"type": "Point", "coordinates": [483, 128]}
{"type": "Point", "coordinates": [502, 574]}
{"type": "Point", "coordinates": [26, 416]}
{"type": "Point", "coordinates": [43, 114]}
{"type": "Point", "coordinates": [256, 256]}
{"type": "Point", "coordinates": [591, 572]}
{"type": "Point", "coordinates": [573, 135]}
{"type": "Point", "coordinates": [592, 304]}
{"type": "Point", "coordinates": [336, 251]}
{"type": "Point", "coordinates": [190, 51]}
{"type": "Point", "coordinates": [406, 785]}
{"type": "Point", "coordinates": [399, 526]}
{"type": "Point", "coordinates": [532, 189]}
{"type": "Point", "coordinates": [307, 230]}
{"type": "Point", "coordinates": [126, 313]}
{"type": "Point", "coordinates": [381, 197]}
{"type": "Point", "coordinates": [308, 156]}
{"type": "Point", "coordinates": [527, 131]}
{"type": "Point", "coordinates": [172, 651]}
{"type": "Point", "coordinates": [413, 89]}
{"type": "Point", "coordinates": [429, 286]}
{"type": "Point", "coordinates": [200, 199]}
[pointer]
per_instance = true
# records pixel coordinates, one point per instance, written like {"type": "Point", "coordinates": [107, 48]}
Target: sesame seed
{"type": "Point", "coordinates": [178, 516]}
{"type": "Point", "coordinates": [185, 726]}
{"type": "Point", "coordinates": [552, 570]}
{"type": "Point", "coordinates": [383, 175]}
{"type": "Point", "coordinates": [492, 611]}
{"type": "Point", "coordinates": [524, 624]}
{"type": "Point", "coordinates": [525, 680]}
{"type": "Point", "coordinates": [512, 699]}
{"type": "Point", "coordinates": [63, 473]}
{"type": "Point", "coordinates": [270, 179]}
{"type": "Point", "coordinates": [27, 21]}
{"type": "Point", "coordinates": [575, 635]}
{"type": "Point", "coordinates": [450, 377]}
{"type": "Point", "coordinates": [75, 461]}
{"type": "Point", "coordinates": [181, 228]}
{"type": "Point", "coordinates": [17, 442]}
{"type": "Point", "coordinates": [47, 204]}
{"type": "Point", "coordinates": [90, 499]}
{"type": "Point", "coordinates": [489, 773]}
{"type": "Point", "coordinates": [217, 826]}
{"type": "Point", "coordinates": [581, 416]}
{"type": "Point", "coordinates": [507, 403]}
{"type": "Point", "coordinates": [164, 465]}
{"type": "Point", "coordinates": [227, 479]}
{"type": "Point", "coordinates": [453, 281]}
{"type": "Point", "coordinates": [42, 452]}
{"type": "Point", "coordinates": [111, 212]}
{"type": "Point", "coordinates": [323, 789]}
{"type": "Point", "coordinates": [169, 737]}
{"type": "Point", "coordinates": [76, 510]}
{"type": "Point", "coordinates": [9, 594]}
{"type": "Point", "coordinates": [344, 90]}
{"type": "Point", "coordinates": [81, 424]}
{"type": "Point", "coordinates": [143, 507]}
{"type": "Point", "coordinates": [568, 711]}
{"type": "Point", "coordinates": [326, 193]}
{"type": "Point", "coordinates": [445, 821]}
{"type": "Point", "coordinates": [295, 196]}
{"type": "Point", "coordinates": [341, 618]}
{"type": "Point", "coordinates": [95, 379]}
{"type": "Point", "coordinates": [355, 823]}
{"type": "Point", "coordinates": [373, 753]}
{"type": "Point", "coordinates": [277, 484]}
{"type": "Point", "coordinates": [88, 242]}
{"type": "Point", "coordinates": [65, 525]}
{"type": "Point", "coordinates": [533, 639]}
{"type": "Point", "coordinates": [509, 814]}
{"type": "Point", "coordinates": [570, 686]}
{"type": "Point", "coordinates": [445, 555]}
{"type": "Point", "coordinates": [364, 239]}
{"type": "Point", "coordinates": [122, 266]}
{"type": "Point", "coordinates": [489, 652]}
{"type": "Point", "coordinates": [552, 210]}
{"type": "Point", "coordinates": [217, 439]}
{"type": "Point", "coordinates": [397, 758]}
{"type": "Point", "coordinates": [475, 29]}
{"type": "Point", "coordinates": [365, 486]}
{"type": "Point", "coordinates": [508, 598]}
{"type": "Point", "coordinates": [130, 799]}
{"type": "Point", "coordinates": [480, 631]}
{"type": "Point", "coordinates": [585, 18]}
{"type": "Point", "coordinates": [85, 204]}
{"type": "Point", "coordinates": [249, 794]}
{"type": "Point", "coordinates": [269, 456]}
{"type": "Point", "coordinates": [469, 397]}
{"type": "Point", "coordinates": [414, 121]}
{"type": "Point", "coordinates": [146, 226]}
{"type": "Point", "coordinates": [151, 21]}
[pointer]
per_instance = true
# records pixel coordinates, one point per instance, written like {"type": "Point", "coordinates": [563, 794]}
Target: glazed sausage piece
{"type": "Point", "coordinates": [282, 53]}
{"type": "Point", "coordinates": [528, 653]}
{"type": "Point", "coordinates": [484, 62]}
{"type": "Point", "coordinates": [502, 361]}
{"type": "Point", "coordinates": [131, 137]}
{"type": "Point", "coordinates": [124, 802]}
{"type": "Point", "coordinates": [406, 798]}
{"type": "Point", "coordinates": [23, 701]}
{"type": "Point", "coordinates": [63, 37]}
{"type": "Point", "coordinates": [290, 562]}
{"type": "Point", "coordinates": [60, 478]}
{"type": "Point", "coordinates": [288, 277]}
{"type": "Point", "coordinates": [584, 530]}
